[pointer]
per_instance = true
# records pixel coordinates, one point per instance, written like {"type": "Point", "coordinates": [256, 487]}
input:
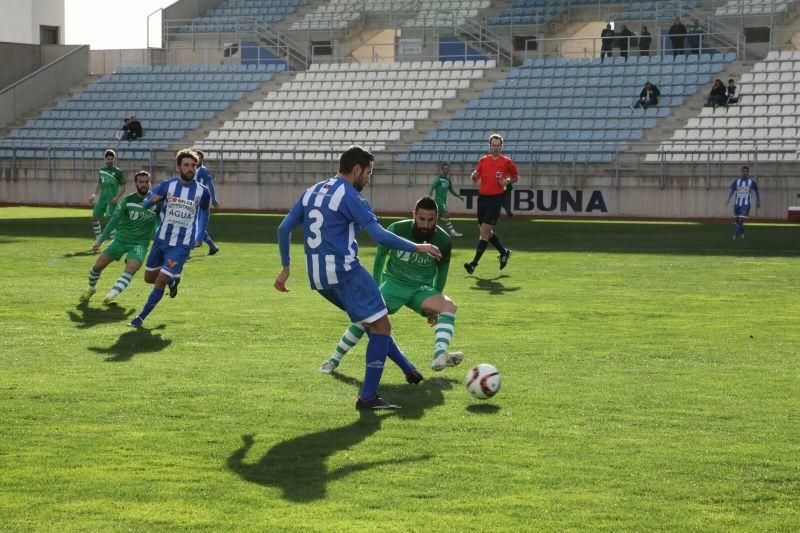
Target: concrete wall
{"type": "Point", "coordinates": [21, 19]}
{"type": "Point", "coordinates": [645, 199]}
{"type": "Point", "coordinates": [107, 61]}
{"type": "Point", "coordinates": [42, 86]}
{"type": "Point", "coordinates": [19, 60]}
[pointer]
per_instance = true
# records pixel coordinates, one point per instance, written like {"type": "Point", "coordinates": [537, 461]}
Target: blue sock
{"type": "Point", "coordinates": [151, 302]}
{"type": "Point", "coordinates": [208, 241]}
{"type": "Point", "coordinates": [377, 349]}
{"type": "Point", "coordinates": [399, 359]}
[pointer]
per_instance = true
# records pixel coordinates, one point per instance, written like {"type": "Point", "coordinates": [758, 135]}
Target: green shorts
{"type": "Point", "coordinates": [136, 250]}
{"type": "Point", "coordinates": [397, 294]}
{"type": "Point", "coordinates": [103, 208]}
{"type": "Point", "coordinates": [442, 205]}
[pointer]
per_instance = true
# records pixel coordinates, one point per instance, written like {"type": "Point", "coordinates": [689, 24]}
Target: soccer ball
{"type": "Point", "coordinates": [483, 381]}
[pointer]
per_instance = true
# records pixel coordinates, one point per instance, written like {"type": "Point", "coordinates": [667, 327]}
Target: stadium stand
{"type": "Point", "coordinates": [227, 17]}
{"type": "Point", "coordinates": [752, 7]}
{"type": "Point", "coordinates": [170, 101]}
{"type": "Point", "coordinates": [529, 12]}
{"type": "Point", "coordinates": [545, 103]}
{"type": "Point", "coordinates": [380, 100]}
{"type": "Point", "coordinates": [766, 118]}
{"type": "Point", "coordinates": [339, 14]}
{"type": "Point", "coordinates": [664, 10]}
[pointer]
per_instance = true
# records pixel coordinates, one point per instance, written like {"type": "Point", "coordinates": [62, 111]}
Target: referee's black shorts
{"type": "Point", "coordinates": [489, 208]}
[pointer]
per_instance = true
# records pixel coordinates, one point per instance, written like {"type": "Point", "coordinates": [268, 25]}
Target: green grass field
{"type": "Point", "coordinates": [651, 381]}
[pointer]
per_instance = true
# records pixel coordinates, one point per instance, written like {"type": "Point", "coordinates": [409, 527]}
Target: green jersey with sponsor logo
{"type": "Point", "coordinates": [411, 267]}
{"type": "Point", "coordinates": [132, 222]}
{"type": "Point", "coordinates": [111, 179]}
{"type": "Point", "coordinates": [440, 187]}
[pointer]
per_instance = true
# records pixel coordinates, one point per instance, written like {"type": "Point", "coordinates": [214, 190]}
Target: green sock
{"type": "Point", "coordinates": [120, 285]}
{"type": "Point", "coordinates": [443, 333]}
{"type": "Point", "coordinates": [93, 277]}
{"type": "Point", "coordinates": [448, 225]}
{"type": "Point", "coordinates": [349, 340]}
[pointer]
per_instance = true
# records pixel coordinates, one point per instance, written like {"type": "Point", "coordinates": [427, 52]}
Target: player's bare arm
{"type": "Point", "coordinates": [426, 248]}
{"type": "Point", "coordinates": [280, 281]}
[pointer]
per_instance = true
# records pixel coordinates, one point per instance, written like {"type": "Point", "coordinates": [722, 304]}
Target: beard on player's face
{"type": "Point", "coordinates": [143, 189]}
{"type": "Point", "coordinates": [422, 234]}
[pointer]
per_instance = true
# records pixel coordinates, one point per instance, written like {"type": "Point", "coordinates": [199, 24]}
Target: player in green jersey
{"type": "Point", "coordinates": [110, 188]}
{"type": "Point", "coordinates": [134, 229]}
{"type": "Point", "coordinates": [439, 189]}
{"type": "Point", "coordinates": [416, 281]}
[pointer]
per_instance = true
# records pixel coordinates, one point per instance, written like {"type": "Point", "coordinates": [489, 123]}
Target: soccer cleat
{"type": "Point", "coordinates": [213, 251]}
{"type": "Point", "coordinates": [454, 233]}
{"type": "Point", "coordinates": [504, 258]}
{"type": "Point", "coordinates": [414, 377]}
{"type": "Point", "coordinates": [108, 299]}
{"type": "Point", "coordinates": [173, 289]}
{"type": "Point", "coordinates": [735, 235]}
{"type": "Point", "coordinates": [328, 366]}
{"type": "Point", "coordinates": [470, 267]}
{"type": "Point", "coordinates": [375, 403]}
{"type": "Point", "coordinates": [136, 322]}
{"type": "Point", "coordinates": [447, 359]}
{"type": "Point", "coordinates": [88, 293]}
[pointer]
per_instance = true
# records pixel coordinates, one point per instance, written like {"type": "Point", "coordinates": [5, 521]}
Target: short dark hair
{"type": "Point", "coordinates": [111, 153]}
{"type": "Point", "coordinates": [183, 154]}
{"type": "Point", "coordinates": [495, 136]}
{"type": "Point", "coordinates": [142, 173]}
{"type": "Point", "coordinates": [427, 203]}
{"type": "Point", "coordinates": [355, 155]}
{"type": "Point", "coordinates": [444, 164]}
{"type": "Point", "coordinates": [730, 80]}
{"type": "Point", "coordinates": [201, 153]}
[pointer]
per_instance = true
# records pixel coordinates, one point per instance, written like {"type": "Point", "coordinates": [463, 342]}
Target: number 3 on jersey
{"type": "Point", "coordinates": [316, 224]}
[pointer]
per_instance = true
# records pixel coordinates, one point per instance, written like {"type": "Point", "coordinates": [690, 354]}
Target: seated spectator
{"type": "Point", "coordinates": [134, 129]}
{"type": "Point", "coordinates": [122, 133]}
{"type": "Point", "coordinates": [648, 97]}
{"type": "Point", "coordinates": [717, 96]}
{"type": "Point", "coordinates": [732, 93]}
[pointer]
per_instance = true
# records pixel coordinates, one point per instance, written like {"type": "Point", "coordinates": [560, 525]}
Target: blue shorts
{"type": "Point", "coordinates": [741, 211]}
{"type": "Point", "coordinates": [358, 296]}
{"type": "Point", "coordinates": [168, 259]}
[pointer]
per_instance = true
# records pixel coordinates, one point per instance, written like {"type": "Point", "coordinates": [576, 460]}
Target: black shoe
{"type": "Point", "coordinates": [213, 251]}
{"type": "Point", "coordinates": [374, 403]}
{"type": "Point", "coordinates": [414, 377]}
{"type": "Point", "coordinates": [504, 258]}
{"type": "Point", "coordinates": [470, 267]}
{"type": "Point", "coordinates": [173, 289]}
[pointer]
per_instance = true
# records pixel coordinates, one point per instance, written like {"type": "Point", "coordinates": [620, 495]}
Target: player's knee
{"type": "Point", "coordinates": [450, 306]}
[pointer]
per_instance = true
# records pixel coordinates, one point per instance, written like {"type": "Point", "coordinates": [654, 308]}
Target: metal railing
{"type": "Point", "coordinates": [592, 47]}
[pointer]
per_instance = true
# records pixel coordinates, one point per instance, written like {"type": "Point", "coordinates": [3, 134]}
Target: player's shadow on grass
{"type": "Point", "coordinates": [86, 317]}
{"type": "Point", "coordinates": [493, 285]}
{"type": "Point", "coordinates": [85, 253]}
{"type": "Point", "coordinates": [134, 342]}
{"type": "Point", "coordinates": [298, 466]}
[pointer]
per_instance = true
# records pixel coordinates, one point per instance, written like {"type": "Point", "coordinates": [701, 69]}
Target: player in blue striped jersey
{"type": "Point", "coordinates": [203, 177]}
{"type": "Point", "coordinates": [332, 213]}
{"type": "Point", "coordinates": [743, 187]}
{"type": "Point", "coordinates": [184, 216]}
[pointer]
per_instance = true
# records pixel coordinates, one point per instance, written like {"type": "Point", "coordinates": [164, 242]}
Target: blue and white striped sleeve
{"type": "Point", "coordinates": [292, 220]}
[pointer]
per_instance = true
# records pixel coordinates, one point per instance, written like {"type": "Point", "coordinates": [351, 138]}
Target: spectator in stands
{"type": "Point", "coordinates": [695, 34]}
{"type": "Point", "coordinates": [624, 41]}
{"type": "Point", "coordinates": [648, 97]}
{"type": "Point", "coordinates": [732, 93]}
{"type": "Point", "coordinates": [122, 133]}
{"type": "Point", "coordinates": [134, 129]}
{"type": "Point", "coordinates": [718, 96]}
{"type": "Point", "coordinates": [607, 42]}
{"type": "Point", "coordinates": [677, 34]}
{"type": "Point", "coordinates": [644, 42]}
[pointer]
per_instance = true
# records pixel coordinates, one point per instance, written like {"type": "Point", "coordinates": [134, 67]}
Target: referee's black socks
{"type": "Point", "coordinates": [495, 240]}
{"type": "Point", "coordinates": [479, 251]}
